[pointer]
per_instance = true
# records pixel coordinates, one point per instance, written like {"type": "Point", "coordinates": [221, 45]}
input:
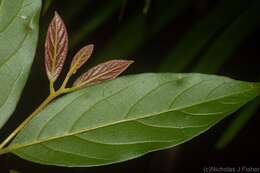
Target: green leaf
{"type": "Point", "coordinates": [201, 35]}
{"type": "Point", "coordinates": [69, 14]}
{"type": "Point", "coordinates": [46, 6]}
{"type": "Point", "coordinates": [146, 6]}
{"type": "Point", "coordinates": [220, 51]}
{"type": "Point", "coordinates": [13, 171]}
{"type": "Point", "coordinates": [101, 15]}
{"type": "Point", "coordinates": [230, 40]}
{"type": "Point", "coordinates": [238, 123]}
{"type": "Point", "coordinates": [165, 12]}
{"type": "Point", "coordinates": [129, 117]}
{"type": "Point", "coordinates": [18, 39]}
{"type": "Point", "coordinates": [128, 38]}
{"type": "Point", "coordinates": [135, 32]}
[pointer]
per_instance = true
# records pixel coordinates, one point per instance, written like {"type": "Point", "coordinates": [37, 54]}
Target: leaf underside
{"type": "Point", "coordinates": [81, 57]}
{"type": "Point", "coordinates": [18, 39]}
{"type": "Point", "coordinates": [102, 72]}
{"type": "Point", "coordinates": [128, 117]}
{"type": "Point", "coordinates": [56, 47]}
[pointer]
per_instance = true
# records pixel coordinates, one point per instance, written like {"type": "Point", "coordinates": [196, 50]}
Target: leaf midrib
{"type": "Point", "coordinates": [19, 146]}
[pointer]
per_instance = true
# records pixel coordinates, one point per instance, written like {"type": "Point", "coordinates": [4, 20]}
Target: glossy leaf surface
{"type": "Point", "coordinates": [128, 117]}
{"type": "Point", "coordinates": [18, 40]}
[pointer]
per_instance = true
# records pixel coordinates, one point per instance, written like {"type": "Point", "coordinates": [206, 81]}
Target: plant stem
{"type": "Point", "coordinates": [52, 90]}
{"type": "Point", "coordinates": [36, 111]}
{"type": "Point", "coordinates": [5, 150]}
{"type": "Point", "coordinates": [63, 85]}
{"type": "Point", "coordinates": [53, 94]}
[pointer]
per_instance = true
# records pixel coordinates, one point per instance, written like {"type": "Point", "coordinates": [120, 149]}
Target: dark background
{"type": "Point", "coordinates": [160, 36]}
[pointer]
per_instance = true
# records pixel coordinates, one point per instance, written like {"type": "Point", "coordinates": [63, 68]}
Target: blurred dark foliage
{"type": "Point", "coordinates": [209, 36]}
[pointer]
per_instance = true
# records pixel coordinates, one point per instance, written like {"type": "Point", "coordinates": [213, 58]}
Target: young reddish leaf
{"type": "Point", "coordinates": [56, 47]}
{"type": "Point", "coordinates": [105, 71]}
{"type": "Point", "coordinates": [81, 57]}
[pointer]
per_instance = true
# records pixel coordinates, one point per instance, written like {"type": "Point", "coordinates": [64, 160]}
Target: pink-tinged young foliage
{"type": "Point", "coordinates": [81, 57]}
{"type": "Point", "coordinates": [56, 47]}
{"type": "Point", "coordinates": [104, 71]}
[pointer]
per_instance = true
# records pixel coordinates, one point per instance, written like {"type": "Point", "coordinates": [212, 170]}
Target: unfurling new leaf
{"type": "Point", "coordinates": [104, 71]}
{"type": "Point", "coordinates": [56, 47]}
{"type": "Point", "coordinates": [81, 57]}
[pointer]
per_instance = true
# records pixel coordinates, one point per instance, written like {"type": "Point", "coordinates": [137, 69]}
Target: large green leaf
{"type": "Point", "coordinates": [101, 14]}
{"type": "Point", "coordinates": [230, 40]}
{"type": "Point", "coordinates": [129, 117]}
{"type": "Point", "coordinates": [202, 34]}
{"type": "Point", "coordinates": [136, 31]}
{"type": "Point", "coordinates": [46, 6]}
{"type": "Point", "coordinates": [18, 39]}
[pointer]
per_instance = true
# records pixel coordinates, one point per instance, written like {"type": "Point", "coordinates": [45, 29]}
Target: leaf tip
{"type": "Point", "coordinates": [131, 61]}
{"type": "Point", "coordinates": [91, 46]}
{"type": "Point", "coordinates": [89, 49]}
{"type": "Point", "coordinates": [81, 57]}
{"type": "Point", "coordinates": [56, 14]}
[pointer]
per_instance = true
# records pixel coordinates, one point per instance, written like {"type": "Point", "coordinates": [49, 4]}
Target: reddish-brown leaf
{"type": "Point", "coordinates": [105, 71]}
{"type": "Point", "coordinates": [56, 47]}
{"type": "Point", "coordinates": [81, 57]}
